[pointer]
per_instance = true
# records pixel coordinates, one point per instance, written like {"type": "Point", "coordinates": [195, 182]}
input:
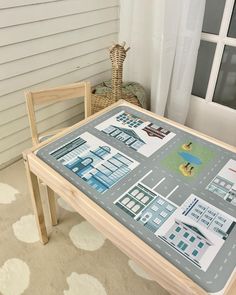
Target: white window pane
{"type": "Point", "coordinates": [232, 25]}
{"type": "Point", "coordinates": [203, 69]}
{"type": "Point", "coordinates": [213, 15]}
{"type": "Point", "coordinates": [225, 92]}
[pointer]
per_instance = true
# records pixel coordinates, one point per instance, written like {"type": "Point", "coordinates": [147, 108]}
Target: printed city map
{"type": "Point", "coordinates": [176, 191]}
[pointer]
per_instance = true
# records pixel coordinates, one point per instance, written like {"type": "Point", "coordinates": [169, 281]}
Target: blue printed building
{"type": "Point", "coordinates": [99, 169]}
{"type": "Point", "coordinates": [156, 213]}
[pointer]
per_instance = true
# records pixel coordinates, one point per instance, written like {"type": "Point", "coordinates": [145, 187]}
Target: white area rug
{"type": "Point", "coordinates": [78, 260]}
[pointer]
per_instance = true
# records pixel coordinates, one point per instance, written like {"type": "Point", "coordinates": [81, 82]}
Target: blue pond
{"type": "Point", "coordinates": [190, 158]}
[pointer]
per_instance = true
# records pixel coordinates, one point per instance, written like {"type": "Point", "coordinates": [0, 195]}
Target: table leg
{"type": "Point", "coordinates": [52, 205]}
{"type": "Point", "coordinates": [37, 204]}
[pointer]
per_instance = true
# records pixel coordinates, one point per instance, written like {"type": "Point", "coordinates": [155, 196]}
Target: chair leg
{"type": "Point", "coordinates": [52, 205]}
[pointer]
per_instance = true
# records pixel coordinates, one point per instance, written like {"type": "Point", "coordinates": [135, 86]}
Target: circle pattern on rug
{"type": "Point", "coordinates": [63, 204]}
{"type": "Point", "coordinates": [25, 229]}
{"type": "Point", "coordinates": [84, 284]}
{"type": "Point", "coordinates": [14, 277]}
{"type": "Point", "coordinates": [85, 236]}
{"type": "Point", "coordinates": [138, 270]}
{"type": "Point", "coordinates": [8, 193]}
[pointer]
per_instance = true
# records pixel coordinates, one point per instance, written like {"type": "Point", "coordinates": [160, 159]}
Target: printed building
{"type": "Point", "coordinates": [128, 136]}
{"type": "Point", "coordinates": [209, 217]}
{"type": "Point", "coordinates": [146, 207]}
{"type": "Point", "coordinates": [99, 169]}
{"type": "Point", "coordinates": [156, 131]}
{"type": "Point", "coordinates": [220, 186]}
{"type": "Point", "coordinates": [188, 240]}
{"type": "Point", "coordinates": [156, 213]}
{"type": "Point", "coordinates": [134, 201]}
{"type": "Point", "coordinates": [70, 151]}
{"type": "Point", "coordinates": [129, 120]}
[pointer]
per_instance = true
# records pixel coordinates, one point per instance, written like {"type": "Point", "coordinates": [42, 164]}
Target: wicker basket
{"type": "Point", "coordinates": [114, 93]}
{"type": "Point", "coordinates": [101, 101]}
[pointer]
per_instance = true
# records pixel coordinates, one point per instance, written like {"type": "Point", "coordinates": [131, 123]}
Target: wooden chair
{"type": "Point", "coordinates": [35, 98]}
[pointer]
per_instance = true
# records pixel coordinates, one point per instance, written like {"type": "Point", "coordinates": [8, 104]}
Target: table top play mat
{"type": "Point", "coordinates": [174, 190]}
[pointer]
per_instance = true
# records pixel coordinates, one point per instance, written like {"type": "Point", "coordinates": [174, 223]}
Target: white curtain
{"type": "Point", "coordinates": [164, 36]}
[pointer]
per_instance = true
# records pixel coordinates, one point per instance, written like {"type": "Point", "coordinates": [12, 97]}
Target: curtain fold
{"type": "Point", "coordinates": [164, 36]}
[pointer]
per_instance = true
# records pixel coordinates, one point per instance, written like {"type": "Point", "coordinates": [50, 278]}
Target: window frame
{"type": "Point", "coordinates": [221, 40]}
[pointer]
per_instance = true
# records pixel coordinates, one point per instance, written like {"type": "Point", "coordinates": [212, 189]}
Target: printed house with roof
{"type": "Point", "coordinates": [188, 240]}
{"type": "Point", "coordinates": [156, 131]}
{"type": "Point", "coordinates": [128, 136]}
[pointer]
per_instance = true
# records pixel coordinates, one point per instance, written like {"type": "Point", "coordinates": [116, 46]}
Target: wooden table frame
{"type": "Point", "coordinates": [161, 270]}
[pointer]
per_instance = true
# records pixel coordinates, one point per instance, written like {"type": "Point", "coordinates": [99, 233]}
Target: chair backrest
{"type": "Point", "coordinates": [71, 91]}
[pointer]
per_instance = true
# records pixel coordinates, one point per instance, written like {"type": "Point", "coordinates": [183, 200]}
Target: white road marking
{"type": "Point", "coordinates": [220, 269]}
{"type": "Point", "coordinates": [159, 182]}
{"type": "Point", "coordinates": [216, 276]}
{"type": "Point", "coordinates": [229, 253]}
{"type": "Point", "coordinates": [225, 260]}
{"type": "Point", "coordinates": [173, 190]}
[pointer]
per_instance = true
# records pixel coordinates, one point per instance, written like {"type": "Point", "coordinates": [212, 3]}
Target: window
{"type": "Point", "coordinates": [125, 200]}
{"type": "Point", "coordinates": [154, 208]}
{"type": "Point", "coordinates": [172, 236]}
{"type": "Point", "coordinates": [157, 220]}
{"type": "Point", "coordinates": [200, 245]}
{"type": "Point", "coordinates": [192, 239]}
{"type": "Point", "coordinates": [215, 75]}
{"type": "Point", "coordinates": [178, 229]}
{"type": "Point", "coordinates": [139, 196]}
{"type": "Point", "coordinates": [186, 235]}
{"type": "Point", "coordinates": [163, 214]}
{"type": "Point", "coordinates": [182, 245]}
{"type": "Point", "coordinates": [195, 253]}
{"type": "Point", "coordinates": [145, 199]}
{"type": "Point", "coordinates": [160, 202]}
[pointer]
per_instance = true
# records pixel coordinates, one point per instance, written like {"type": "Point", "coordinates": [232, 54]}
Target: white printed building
{"type": "Point", "coordinates": [188, 240]}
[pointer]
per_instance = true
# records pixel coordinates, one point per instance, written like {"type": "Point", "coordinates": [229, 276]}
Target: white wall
{"type": "Point", "coordinates": [45, 43]}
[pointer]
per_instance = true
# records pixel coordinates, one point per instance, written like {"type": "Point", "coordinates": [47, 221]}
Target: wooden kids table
{"type": "Point", "coordinates": [161, 192]}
